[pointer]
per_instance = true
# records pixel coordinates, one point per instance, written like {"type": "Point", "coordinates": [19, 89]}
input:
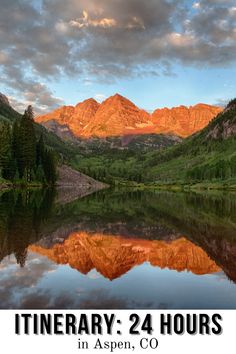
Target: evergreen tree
{"type": "Point", "coordinates": [27, 141]}
{"type": "Point", "coordinates": [49, 167]}
{"type": "Point", "coordinates": [21, 156]}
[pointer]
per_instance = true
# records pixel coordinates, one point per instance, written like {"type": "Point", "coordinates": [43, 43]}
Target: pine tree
{"type": "Point", "coordinates": [27, 148]}
{"type": "Point", "coordinates": [21, 156]}
{"type": "Point", "coordinates": [49, 167]}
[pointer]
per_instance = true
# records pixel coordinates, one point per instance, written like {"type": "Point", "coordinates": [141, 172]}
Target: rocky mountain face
{"type": "Point", "coordinates": [224, 126]}
{"type": "Point", "coordinates": [61, 130]}
{"type": "Point", "coordinates": [84, 113]}
{"type": "Point", "coordinates": [76, 118]}
{"type": "Point", "coordinates": [62, 115]}
{"type": "Point", "coordinates": [117, 116]}
{"type": "Point", "coordinates": [184, 121]}
{"type": "Point", "coordinates": [113, 256]}
{"type": "Point", "coordinates": [72, 184]}
{"type": "Point", "coordinates": [142, 142]}
{"type": "Point", "coordinates": [6, 111]}
{"type": "Point", "coordinates": [4, 99]}
{"type": "Point", "coordinates": [114, 116]}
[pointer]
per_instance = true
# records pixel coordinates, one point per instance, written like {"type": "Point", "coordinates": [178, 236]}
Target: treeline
{"type": "Point", "coordinates": [23, 157]}
{"type": "Point", "coordinates": [222, 170]}
{"type": "Point", "coordinates": [108, 176]}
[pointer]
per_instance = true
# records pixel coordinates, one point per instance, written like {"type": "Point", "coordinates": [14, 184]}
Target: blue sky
{"type": "Point", "coordinates": [156, 53]}
{"type": "Point", "coordinates": [188, 86]}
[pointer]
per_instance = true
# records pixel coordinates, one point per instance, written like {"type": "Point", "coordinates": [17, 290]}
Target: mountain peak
{"type": "Point", "coordinates": [4, 99]}
{"type": "Point", "coordinates": [88, 101]}
{"type": "Point", "coordinates": [119, 98]}
{"type": "Point", "coordinates": [114, 116]}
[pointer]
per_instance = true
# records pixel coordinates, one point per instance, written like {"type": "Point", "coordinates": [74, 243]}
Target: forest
{"type": "Point", "coordinates": [24, 158]}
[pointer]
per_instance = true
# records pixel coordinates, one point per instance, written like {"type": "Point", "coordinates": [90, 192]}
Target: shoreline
{"type": "Point", "coordinates": [217, 186]}
{"type": "Point", "coordinates": [10, 186]}
{"type": "Point", "coordinates": [85, 182]}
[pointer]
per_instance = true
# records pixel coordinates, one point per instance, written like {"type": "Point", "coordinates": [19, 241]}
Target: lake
{"type": "Point", "coordinates": [118, 249]}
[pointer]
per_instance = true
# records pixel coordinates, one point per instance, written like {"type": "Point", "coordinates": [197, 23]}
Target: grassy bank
{"type": "Point", "coordinates": [179, 186]}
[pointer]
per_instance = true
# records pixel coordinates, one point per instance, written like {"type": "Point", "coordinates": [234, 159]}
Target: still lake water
{"type": "Point", "coordinates": [118, 249]}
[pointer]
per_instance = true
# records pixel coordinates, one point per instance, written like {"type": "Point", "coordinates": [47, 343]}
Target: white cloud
{"type": "Point", "coordinates": [180, 40]}
{"type": "Point", "coordinates": [99, 97]}
{"type": "Point", "coordinates": [232, 11]}
{"type": "Point", "coordinates": [61, 27]}
{"type": "Point", "coordinates": [196, 5]}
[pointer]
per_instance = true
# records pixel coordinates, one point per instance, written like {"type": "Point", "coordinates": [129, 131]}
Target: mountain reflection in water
{"type": "Point", "coordinates": [113, 256]}
{"type": "Point", "coordinates": [161, 249]}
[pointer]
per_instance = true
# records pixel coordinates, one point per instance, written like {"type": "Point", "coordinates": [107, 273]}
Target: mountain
{"type": "Point", "coordinates": [114, 116]}
{"type": "Point", "coordinates": [224, 126]}
{"type": "Point", "coordinates": [84, 113]}
{"type": "Point", "coordinates": [118, 116]}
{"type": "Point", "coordinates": [89, 118]}
{"type": "Point", "coordinates": [209, 155]}
{"type": "Point", "coordinates": [61, 130]}
{"type": "Point", "coordinates": [4, 100]}
{"type": "Point", "coordinates": [94, 145]}
{"type": "Point", "coordinates": [113, 256]}
{"type": "Point", "coordinates": [76, 118]}
{"type": "Point", "coordinates": [184, 121]}
{"type": "Point", "coordinates": [7, 113]}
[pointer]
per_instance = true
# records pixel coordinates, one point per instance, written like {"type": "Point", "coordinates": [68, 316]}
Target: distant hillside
{"type": "Point", "coordinates": [8, 114]}
{"type": "Point", "coordinates": [6, 111]}
{"type": "Point", "coordinates": [209, 155]}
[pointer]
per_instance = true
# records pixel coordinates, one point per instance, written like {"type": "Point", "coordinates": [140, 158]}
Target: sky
{"type": "Point", "coordinates": [157, 53]}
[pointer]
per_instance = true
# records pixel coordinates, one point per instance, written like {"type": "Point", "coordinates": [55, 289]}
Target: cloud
{"type": "Point", "coordinates": [106, 40]}
{"type": "Point", "coordinates": [41, 100]}
{"type": "Point", "coordinates": [196, 5]}
{"type": "Point", "coordinates": [221, 102]}
{"type": "Point", "coordinates": [31, 92]}
{"type": "Point", "coordinates": [22, 288]}
{"type": "Point", "coordinates": [85, 21]}
{"type": "Point", "coordinates": [100, 97]}
{"type": "Point", "coordinates": [17, 283]}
